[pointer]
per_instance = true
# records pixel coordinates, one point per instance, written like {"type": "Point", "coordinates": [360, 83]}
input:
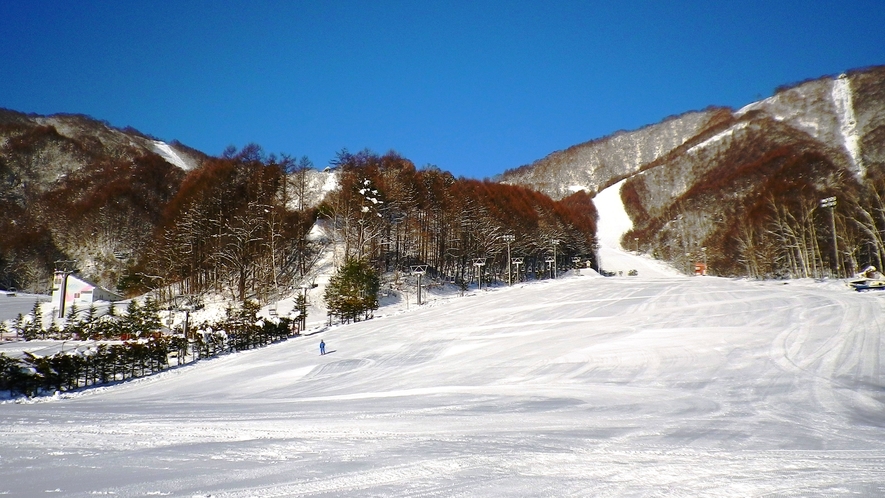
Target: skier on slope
{"type": "Point", "coordinates": [322, 347]}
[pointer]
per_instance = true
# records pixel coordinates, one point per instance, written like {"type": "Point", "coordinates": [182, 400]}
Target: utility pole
{"type": "Point", "coordinates": [555, 243]}
{"type": "Point", "coordinates": [186, 303]}
{"type": "Point", "coordinates": [830, 202]}
{"type": "Point", "coordinates": [508, 239]}
{"type": "Point", "coordinates": [479, 263]}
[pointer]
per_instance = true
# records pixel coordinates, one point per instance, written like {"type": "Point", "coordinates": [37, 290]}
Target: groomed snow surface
{"type": "Point", "coordinates": [655, 385]}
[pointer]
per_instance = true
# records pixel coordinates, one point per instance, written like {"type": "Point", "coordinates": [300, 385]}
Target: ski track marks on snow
{"type": "Point", "coordinates": [584, 386]}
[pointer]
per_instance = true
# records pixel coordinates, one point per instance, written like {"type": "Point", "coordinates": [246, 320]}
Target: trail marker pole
{"type": "Point", "coordinates": [419, 270]}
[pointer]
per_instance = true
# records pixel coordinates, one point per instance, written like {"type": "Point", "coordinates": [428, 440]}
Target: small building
{"type": "Point", "coordinates": [68, 290]}
{"type": "Point", "coordinates": [700, 268]}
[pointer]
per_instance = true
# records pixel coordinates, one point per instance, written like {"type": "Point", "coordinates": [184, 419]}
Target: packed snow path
{"type": "Point", "coordinates": [585, 386]}
{"type": "Point", "coordinates": [613, 223]}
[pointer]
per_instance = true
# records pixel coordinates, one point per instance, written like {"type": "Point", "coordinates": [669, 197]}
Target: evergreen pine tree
{"type": "Point", "coordinates": [150, 317]}
{"type": "Point", "coordinates": [129, 324]}
{"type": "Point", "coordinates": [301, 306]}
{"type": "Point", "coordinates": [36, 324]}
{"type": "Point", "coordinates": [53, 332]}
{"type": "Point", "coordinates": [89, 322]}
{"type": "Point", "coordinates": [18, 327]}
{"type": "Point", "coordinates": [30, 327]}
{"type": "Point", "coordinates": [353, 290]}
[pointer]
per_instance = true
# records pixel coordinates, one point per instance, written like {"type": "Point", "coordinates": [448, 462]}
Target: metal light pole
{"type": "Point", "coordinates": [830, 202]}
{"type": "Point", "coordinates": [508, 239]}
{"type": "Point", "coordinates": [184, 302]}
{"type": "Point", "coordinates": [479, 263]}
{"type": "Point", "coordinates": [517, 262]}
{"type": "Point", "coordinates": [555, 243]}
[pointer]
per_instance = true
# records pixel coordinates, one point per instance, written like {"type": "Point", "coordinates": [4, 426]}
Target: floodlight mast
{"type": "Point", "coordinates": [554, 242]}
{"type": "Point", "coordinates": [479, 263]}
{"type": "Point", "coordinates": [508, 239]}
{"type": "Point", "coordinates": [830, 202]}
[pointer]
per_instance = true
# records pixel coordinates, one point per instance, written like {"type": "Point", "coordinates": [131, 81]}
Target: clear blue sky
{"type": "Point", "coordinates": [474, 87]}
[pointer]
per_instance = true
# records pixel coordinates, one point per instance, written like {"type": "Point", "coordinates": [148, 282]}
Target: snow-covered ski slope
{"type": "Point", "coordinates": [656, 385]}
{"type": "Point", "coordinates": [614, 222]}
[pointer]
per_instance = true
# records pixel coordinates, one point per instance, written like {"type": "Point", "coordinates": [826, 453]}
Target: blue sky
{"type": "Point", "coordinates": [473, 87]}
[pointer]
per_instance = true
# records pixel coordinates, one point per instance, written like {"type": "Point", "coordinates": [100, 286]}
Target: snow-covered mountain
{"type": "Point", "coordinates": [42, 146]}
{"type": "Point", "coordinates": [846, 113]}
{"type": "Point", "coordinates": [596, 164]}
{"type": "Point", "coordinates": [694, 180]}
{"type": "Point", "coordinates": [73, 187]}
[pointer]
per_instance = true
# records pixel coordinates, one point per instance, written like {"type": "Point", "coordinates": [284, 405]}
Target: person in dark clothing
{"type": "Point", "coordinates": [322, 347]}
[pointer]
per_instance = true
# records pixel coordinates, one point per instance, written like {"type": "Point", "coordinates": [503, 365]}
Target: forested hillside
{"type": "Point", "coordinates": [397, 216]}
{"type": "Point", "coordinates": [236, 226]}
{"type": "Point", "coordinates": [743, 188]}
{"type": "Point", "coordinates": [74, 188]}
{"type": "Point", "coordinates": [135, 214]}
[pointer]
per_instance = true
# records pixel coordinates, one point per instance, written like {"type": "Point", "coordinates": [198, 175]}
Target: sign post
{"type": "Point", "coordinates": [419, 270]}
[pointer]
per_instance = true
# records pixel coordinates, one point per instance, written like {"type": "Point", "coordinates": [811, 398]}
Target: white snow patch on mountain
{"type": "Point", "coordinates": [330, 183]}
{"type": "Point", "coordinates": [842, 98]}
{"type": "Point", "coordinates": [169, 154]}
